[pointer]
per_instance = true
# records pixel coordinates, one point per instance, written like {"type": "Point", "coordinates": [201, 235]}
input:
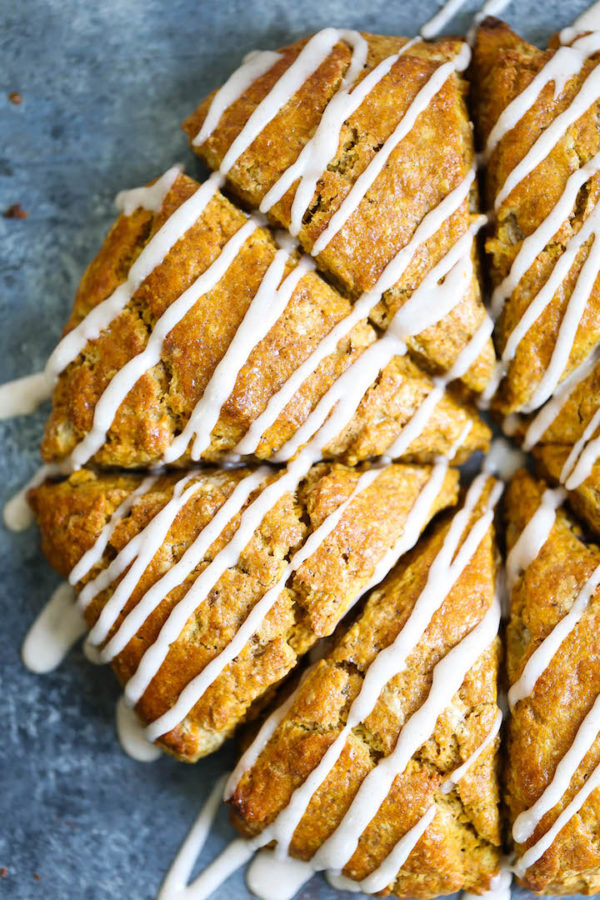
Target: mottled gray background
{"type": "Point", "coordinates": [105, 85]}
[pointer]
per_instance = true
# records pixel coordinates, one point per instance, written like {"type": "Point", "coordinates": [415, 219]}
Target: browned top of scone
{"type": "Point", "coordinates": [543, 725]}
{"type": "Point", "coordinates": [460, 849]}
{"type": "Point", "coordinates": [71, 515]}
{"type": "Point", "coordinates": [157, 409]}
{"type": "Point", "coordinates": [503, 67]}
{"type": "Point", "coordinates": [431, 160]}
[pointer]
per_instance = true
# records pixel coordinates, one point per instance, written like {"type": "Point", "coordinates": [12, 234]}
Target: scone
{"type": "Point", "coordinates": [204, 589]}
{"type": "Point", "coordinates": [361, 146]}
{"type": "Point", "coordinates": [194, 336]}
{"type": "Point", "coordinates": [553, 749]}
{"type": "Point", "coordinates": [536, 113]}
{"type": "Point", "coordinates": [384, 762]}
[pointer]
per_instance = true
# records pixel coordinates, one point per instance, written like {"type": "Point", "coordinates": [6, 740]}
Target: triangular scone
{"type": "Point", "coordinates": [585, 497]}
{"type": "Point", "coordinates": [266, 560]}
{"type": "Point", "coordinates": [553, 642]}
{"type": "Point", "coordinates": [376, 173]}
{"type": "Point", "coordinates": [423, 659]}
{"type": "Point", "coordinates": [233, 355]}
{"type": "Point", "coordinates": [542, 180]}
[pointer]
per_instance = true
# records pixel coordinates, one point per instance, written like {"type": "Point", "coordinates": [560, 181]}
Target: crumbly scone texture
{"type": "Point", "coordinates": [160, 404]}
{"type": "Point", "coordinates": [543, 726]}
{"type": "Point", "coordinates": [72, 513]}
{"type": "Point", "coordinates": [431, 160]}
{"type": "Point", "coordinates": [503, 66]}
{"type": "Point", "coordinates": [460, 849]}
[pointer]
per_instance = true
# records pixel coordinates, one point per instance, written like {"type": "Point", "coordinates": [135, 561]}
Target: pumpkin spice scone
{"type": "Point", "coordinates": [536, 113]}
{"type": "Point", "coordinates": [361, 146]}
{"type": "Point", "coordinates": [553, 765]}
{"type": "Point", "coordinates": [383, 763]}
{"type": "Point", "coordinates": [194, 335]}
{"type": "Point", "coordinates": [204, 589]}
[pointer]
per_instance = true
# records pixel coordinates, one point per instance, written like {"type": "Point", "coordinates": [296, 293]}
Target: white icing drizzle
{"type": "Point", "coordinates": [503, 459]}
{"type": "Point", "coordinates": [386, 873]}
{"type": "Point", "coordinates": [499, 886]}
{"type": "Point", "coordinates": [312, 55]}
{"type": "Point", "coordinates": [534, 536]}
{"type": "Point", "coordinates": [174, 576]}
{"type": "Point", "coordinates": [564, 64]}
{"type": "Point", "coordinates": [266, 307]}
{"type": "Point", "coordinates": [575, 308]}
{"type": "Point", "coordinates": [587, 21]}
{"type": "Point", "coordinates": [93, 556]}
{"type": "Point", "coordinates": [534, 243]}
{"type": "Point", "coordinates": [195, 689]}
{"type": "Point", "coordinates": [438, 22]}
{"type": "Point", "coordinates": [17, 513]}
{"type": "Point", "coordinates": [131, 735]}
{"type": "Point", "coordinates": [23, 396]}
{"type": "Point", "coordinates": [175, 886]}
{"type": "Point", "coordinates": [343, 883]}
{"type": "Point", "coordinates": [448, 676]}
{"type": "Point", "coordinates": [271, 878]}
{"type": "Point", "coordinates": [136, 554]}
{"type": "Point", "coordinates": [583, 455]}
{"type": "Point", "coordinates": [56, 629]}
{"type": "Point", "coordinates": [293, 873]}
{"type": "Point", "coordinates": [366, 180]}
{"type": "Point", "coordinates": [345, 393]}
{"type": "Point", "coordinates": [323, 145]}
{"type": "Point", "coordinates": [150, 197]}
{"type": "Point", "coordinates": [153, 254]}
{"type": "Point", "coordinates": [539, 848]}
{"type": "Point", "coordinates": [452, 781]}
{"type": "Point", "coordinates": [545, 143]}
{"type": "Point", "coordinates": [391, 661]}
{"type": "Point", "coordinates": [526, 823]}
{"type": "Point", "coordinates": [540, 659]}
{"type": "Point", "coordinates": [255, 65]}
{"type": "Point", "coordinates": [546, 416]}
{"type": "Point", "coordinates": [431, 301]}
{"type": "Point", "coordinates": [367, 301]}
{"type": "Point", "coordinates": [125, 379]}
{"type": "Point", "coordinates": [266, 732]}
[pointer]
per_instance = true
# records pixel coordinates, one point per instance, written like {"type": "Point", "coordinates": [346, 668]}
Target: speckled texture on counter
{"type": "Point", "coordinates": [104, 87]}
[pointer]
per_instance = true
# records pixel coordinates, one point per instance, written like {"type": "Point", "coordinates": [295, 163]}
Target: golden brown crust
{"type": "Point", "coordinates": [72, 513]}
{"type": "Point", "coordinates": [460, 849]}
{"type": "Point", "coordinates": [543, 726]}
{"type": "Point", "coordinates": [160, 404]}
{"type": "Point", "coordinates": [503, 66]}
{"type": "Point", "coordinates": [433, 158]}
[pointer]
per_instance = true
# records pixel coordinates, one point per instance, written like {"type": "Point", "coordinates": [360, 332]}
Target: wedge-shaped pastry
{"type": "Point", "coordinates": [537, 113]}
{"type": "Point", "coordinates": [383, 763]}
{"type": "Point", "coordinates": [361, 146]}
{"type": "Point", "coordinates": [194, 335]}
{"type": "Point", "coordinates": [553, 767]}
{"type": "Point", "coordinates": [204, 589]}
